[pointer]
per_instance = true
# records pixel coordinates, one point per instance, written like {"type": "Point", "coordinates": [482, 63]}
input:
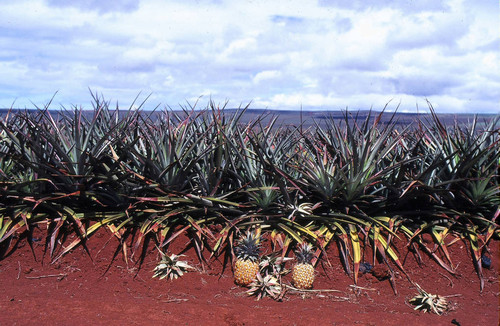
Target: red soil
{"type": "Point", "coordinates": [77, 290]}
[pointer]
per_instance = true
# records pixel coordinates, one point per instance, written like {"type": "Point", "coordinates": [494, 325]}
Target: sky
{"type": "Point", "coordinates": [314, 55]}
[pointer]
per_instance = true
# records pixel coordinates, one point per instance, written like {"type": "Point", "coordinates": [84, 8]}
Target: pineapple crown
{"type": "Point", "coordinates": [304, 253]}
{"type": "Point", "coordinates": [171, 267]}
{"type": "Point", "coordinates": [248, 247]}
{"type": "Point", "coordinates": [265, 285]}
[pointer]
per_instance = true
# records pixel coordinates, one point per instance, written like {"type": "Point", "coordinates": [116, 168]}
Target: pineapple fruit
{"type": "Point", "coordinates": [303, 271]}
{"type": "Point", "coordinates": [247, 254]}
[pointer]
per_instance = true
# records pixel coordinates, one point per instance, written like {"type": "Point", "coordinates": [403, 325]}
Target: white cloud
{"type": "Point", "coordinates": [266, 75]}
{"type": "Point", "coordinates": [239, 47]}
{"type": "Point", "coordinates": [97, 5]}
{"type": "Point", "coordinates": [277, 54]}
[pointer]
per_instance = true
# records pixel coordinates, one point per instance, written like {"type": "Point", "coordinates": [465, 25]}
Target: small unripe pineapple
{"type": "Point", "coordinates": [247, 265]}
{"type": "Point", "coordinates": [303, 271]}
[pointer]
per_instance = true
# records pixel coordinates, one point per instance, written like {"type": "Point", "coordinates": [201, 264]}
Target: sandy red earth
{"type": "Point", "coordinates": [98, 290]}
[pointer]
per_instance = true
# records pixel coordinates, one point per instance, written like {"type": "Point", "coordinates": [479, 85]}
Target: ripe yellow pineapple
{"type": "Point", "coordinates": [247, 265]}
{"type": "Point", "coordinates": [303, 271]}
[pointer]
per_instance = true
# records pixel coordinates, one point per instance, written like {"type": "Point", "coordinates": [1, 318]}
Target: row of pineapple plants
{"type": "Point", "coordinates": [151, 176]}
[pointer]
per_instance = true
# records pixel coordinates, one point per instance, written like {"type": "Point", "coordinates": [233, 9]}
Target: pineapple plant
{"type": "Point", "coordinates": [273, 265]}
{"type": "Point", "coordinates": [267, 285]}
{"type": "Point", "coordinates": [247, 256]}
{"type": "Point", "coordinates": [303, 271]}
{"type": "Point", "coordinates": [427, 302]}
{"type": "Point", "coordinates": [171, 267]}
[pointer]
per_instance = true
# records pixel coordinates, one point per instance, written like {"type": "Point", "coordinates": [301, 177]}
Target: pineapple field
{"type": "Point", "coordinates": [128, 215]}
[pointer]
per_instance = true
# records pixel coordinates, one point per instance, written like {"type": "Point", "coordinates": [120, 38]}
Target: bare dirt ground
{"type": "Point", "coordinates": [98, 290]}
